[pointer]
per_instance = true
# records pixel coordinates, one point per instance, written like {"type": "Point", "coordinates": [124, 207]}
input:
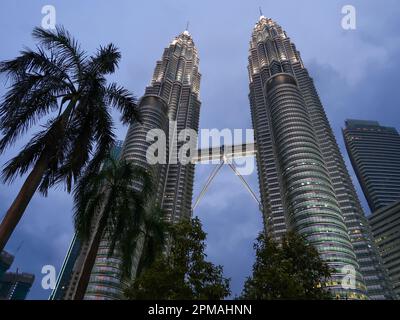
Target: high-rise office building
{"type": "Point", "coordinates": [374, 151]}
{"type": "Point", "coordinates": [385, 224]}
{"type": "Point", "coordinates": [304, 183]}
{"type": "Point", "coordinates": [66, 276]}
{"type": "Point", "coordinates": [171, 103]}
{"type": "Point", "coordinates": [15, 285]}
{"type": "Point", "coordinates": [105, 278]}
{"type": "Point", "coordinates": [176, 79]}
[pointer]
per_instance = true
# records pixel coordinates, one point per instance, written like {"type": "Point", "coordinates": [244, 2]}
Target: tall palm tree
{"type": "Point", "coordinates": [117, 203]}
{"type": "Point", "coordinates": [61, 85]}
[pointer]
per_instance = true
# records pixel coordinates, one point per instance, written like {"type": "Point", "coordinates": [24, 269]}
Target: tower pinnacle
{"type": "Point", "coordinates": [186, 32]}
{"type": "Point", "coordinates": [261, 13]}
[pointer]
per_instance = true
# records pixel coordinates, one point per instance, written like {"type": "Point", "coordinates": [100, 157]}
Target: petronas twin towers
{"type": "Point", "coordinates": [304, 184]}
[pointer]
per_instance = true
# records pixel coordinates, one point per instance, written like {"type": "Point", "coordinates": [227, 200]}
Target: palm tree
{"type": "Point", "coordinates": [61, 84]}
{"type": "Point", "coordinates": [117, 204]}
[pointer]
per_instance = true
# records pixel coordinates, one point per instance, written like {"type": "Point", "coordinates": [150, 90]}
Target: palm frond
{"type": "Point", "coordinates": [156, 229]}
{"type": "Point", "coordinates": [35, 62]}
{"type": "Point", "coordinates": [20, 164]}
{"type": "Point", "coordinates": [67, 48]}
{"type": "Point", "coordinates": [105, 61]}
{"type": "Point", "coordinates": [105, 139]}
{"type": "Point", "coordinates": [124, 101]}
{"type": "Point", "coordinates": [79, 146]}
{"type": "Point", "coordinates": [90, 194]}
{"type": "Point", "coordinates": [29, 99]}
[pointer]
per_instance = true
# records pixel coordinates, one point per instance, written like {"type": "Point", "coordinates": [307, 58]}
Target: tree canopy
{"type": "Point", "coordinates": [182, 273]}
{"type": "Point", "coordinates": [291, 269]}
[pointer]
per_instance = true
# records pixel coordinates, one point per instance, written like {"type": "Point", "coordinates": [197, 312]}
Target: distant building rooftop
{"type": "Point", "coordinates": [6, 258]}
{"type": "Point", "coordinates": [367, 124]}
{"type": "Point", "coordinates": [27, 278]}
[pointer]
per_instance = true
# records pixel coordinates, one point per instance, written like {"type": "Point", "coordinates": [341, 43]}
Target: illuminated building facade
{"type": "Point", "coordinates": [304, 183]}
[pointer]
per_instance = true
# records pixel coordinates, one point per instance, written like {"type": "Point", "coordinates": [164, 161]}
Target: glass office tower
{"type": "Point", "coordinates": [385, 224]}
{"type": "Point", "coordinates": [374, 151]}
{"type": "Point", "coordinates": [304, 183]}
{"type": "Point", "coordinates": [170, 103]}
{"type": "Point", "coordinates": [15, 285]}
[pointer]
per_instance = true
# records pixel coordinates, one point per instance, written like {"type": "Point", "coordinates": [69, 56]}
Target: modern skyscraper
{"type": "Point", "coordinates": [374, 151]}
{"type": "Point", "coordinates": [15, 286]}
{"type": "Point", "coordinates": [385, 224]}
{"type": "Point", "coordinates": [170, 103]}
{"type": "Point", "coordinates": [105, 278]}
{"type": "Point", "coordinates": [304, 183]}
{"type": "Point", "coordinates": [65, 278]}
{"type": "Point", "coordinates": [176, 79]}
{"type": "Point", "coordinates": [172, 95]}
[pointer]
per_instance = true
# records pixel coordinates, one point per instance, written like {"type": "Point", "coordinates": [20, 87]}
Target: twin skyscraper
{"type": "Point", "coordinates": [304, 184]}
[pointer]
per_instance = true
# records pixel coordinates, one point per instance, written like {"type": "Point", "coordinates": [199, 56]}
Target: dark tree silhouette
{"type": "Point", "coordinates": [64, 90]}
{"type": "Point", "coordinates": [182, 272]}
{"type": "Point", "coordinates": [107, 204]}
{"type": "Point", "coordinates": [290, 270]}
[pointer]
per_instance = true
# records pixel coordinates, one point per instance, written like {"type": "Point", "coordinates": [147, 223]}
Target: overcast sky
{"type": "Point", "coordinates": [356, 73]}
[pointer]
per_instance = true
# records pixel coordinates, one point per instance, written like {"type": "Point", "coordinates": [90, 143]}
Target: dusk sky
{"type": "Point", "coordinates": [356, 73]}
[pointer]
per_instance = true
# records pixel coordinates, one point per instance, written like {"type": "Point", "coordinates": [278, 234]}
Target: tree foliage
{"type": "Point", "coordinates": [292, 269]}
{"type": "Point", "coordinates": [62, 94]}
{"type": "Point", "coordinates": [119, 197]}
{"type": "Point", "coordinates": [63, 91]}
{"type": "Point", "coordinates": [182, 272]}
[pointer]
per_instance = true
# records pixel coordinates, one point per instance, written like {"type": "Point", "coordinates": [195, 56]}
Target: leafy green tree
{"type": "Point", "coordinates": [182, 272]}
{"type": "Point", "coordinates": [63, 92]}
{"type": "Point", "coordinates": [116, 203]}
{"type": "Point", "coordinates": [292, 269]}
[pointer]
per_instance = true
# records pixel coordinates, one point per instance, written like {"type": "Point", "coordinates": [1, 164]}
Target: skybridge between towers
{"type": "Point", "coordinates": [225, 155]}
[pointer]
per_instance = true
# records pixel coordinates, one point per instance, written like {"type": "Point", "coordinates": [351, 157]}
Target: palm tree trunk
{"type": "Point", "coordinates": [89, 262]}
{"type": "Point", "coordinates": [32, 182]}
{"type": "Point", "coordinates": [17, 209]}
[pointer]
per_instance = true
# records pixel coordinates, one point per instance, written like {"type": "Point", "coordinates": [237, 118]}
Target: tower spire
{"type": "Point", "coordinates": [186, 32]}
{"type": "Point", "coordinates": [261, 13]}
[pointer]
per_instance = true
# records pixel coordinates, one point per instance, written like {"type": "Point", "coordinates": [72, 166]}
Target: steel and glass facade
{"type": "Point", "coordinates": [304, 184]}
{"type": "Point", "coordinates": [385, 224]}
{"type": "Point", "coordinates": [374, 151]}
{"type": "Point", "coordinates": [176, 79]}
{"type": "Point", "coordinates": [171, 103]}
{"type": "Point", "coordinates": [15, 286]}
{"type": "Point", "coordinates": [67, 270]}
{"type": "Point", "coordinates": [105, 279]}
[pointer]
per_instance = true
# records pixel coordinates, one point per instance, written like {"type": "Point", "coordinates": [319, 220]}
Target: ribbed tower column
{"type": "Point", "coordinates": [272, 52]}
{"type": "Point", "coordinates": [105, 279]}
{"type": "Point", "coordinates": [311, 207]}
{"type": "Point", "coordinates": [171, 103]}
